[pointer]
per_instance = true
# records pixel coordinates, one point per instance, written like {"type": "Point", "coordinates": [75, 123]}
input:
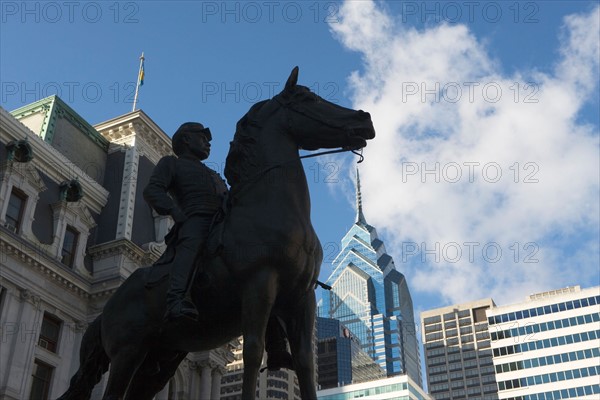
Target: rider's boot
{"type": "Point", "coordinates": [178, 302]}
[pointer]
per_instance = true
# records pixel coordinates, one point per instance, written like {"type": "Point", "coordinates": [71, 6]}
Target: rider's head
{"type": "Point", "coordinates": [185, 133]}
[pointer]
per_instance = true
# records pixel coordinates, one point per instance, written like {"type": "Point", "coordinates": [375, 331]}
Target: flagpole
{"type": "Point", "coordinates": [137, 86]}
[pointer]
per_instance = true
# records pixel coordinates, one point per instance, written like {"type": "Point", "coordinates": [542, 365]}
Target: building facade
{"type": "Point", "coordinates": [341, 360]}
{"type": "Point", "coordinates": [458, 354]}
{"type": "Point", "coordinates": [371, 298]}
{"type": "Point", "coordinates": [399, 387]}
{"type": "Point", "coordinates": [548, 347]}
{"type": "Point", "coordinates": [271, 385]}
{"type": "Point", "coordinates": [73, 227]}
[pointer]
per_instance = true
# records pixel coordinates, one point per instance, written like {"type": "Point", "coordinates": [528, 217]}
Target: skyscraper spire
{"type": "Point", "coordinates": [360, 218]}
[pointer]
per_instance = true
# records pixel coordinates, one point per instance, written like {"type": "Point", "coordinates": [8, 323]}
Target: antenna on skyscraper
{"type": "Point", "coordinates": [360, 217]}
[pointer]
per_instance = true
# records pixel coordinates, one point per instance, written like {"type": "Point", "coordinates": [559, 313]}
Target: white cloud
{"type": "Point", "coordinates": [546, 196]}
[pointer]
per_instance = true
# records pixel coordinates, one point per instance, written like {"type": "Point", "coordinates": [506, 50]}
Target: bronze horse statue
{"type": "Point", "coordinates": [268, 263]}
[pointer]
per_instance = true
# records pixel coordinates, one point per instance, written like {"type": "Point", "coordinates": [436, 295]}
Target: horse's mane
{"type": "Point", "coordinates": [242, 149]}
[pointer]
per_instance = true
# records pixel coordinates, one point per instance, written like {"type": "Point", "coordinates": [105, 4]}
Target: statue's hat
{"type": "Point", "coordinates": [194, 127]}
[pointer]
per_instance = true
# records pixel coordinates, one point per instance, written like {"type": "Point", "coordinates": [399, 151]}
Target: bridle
{"type": "Point", "coordinates": [358, 152]}
{"type": "Point", "coordinates": [243, 185]}
{"type": "Point", "coordinates": [289, 107]}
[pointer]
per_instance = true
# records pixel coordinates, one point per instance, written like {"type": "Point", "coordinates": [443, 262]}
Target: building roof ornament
{"type": "Point", "coordinates": [19, 151]}
{"type": "Point", "coordinates": [360, 217]}
{"type": "Point", "coordinates": [139, 130]}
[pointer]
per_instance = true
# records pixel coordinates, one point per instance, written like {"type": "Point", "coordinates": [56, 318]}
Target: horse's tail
{"type": "Point", "coordinates": [93, 363]}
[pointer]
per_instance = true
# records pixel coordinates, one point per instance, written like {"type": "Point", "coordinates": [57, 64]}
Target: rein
{"type": "Point", "coordinates": [264, 171]}
{"type": "Point", "coordinates": [342, 150]}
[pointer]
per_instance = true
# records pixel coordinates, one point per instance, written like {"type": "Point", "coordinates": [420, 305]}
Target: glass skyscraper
{"type": "Point", "coordinates": [341, 360]}
{"type": "Point", "coordinates": [371, 298]}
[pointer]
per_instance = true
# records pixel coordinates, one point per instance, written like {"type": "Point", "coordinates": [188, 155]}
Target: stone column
{"type": "Point", "coordinates": [194, 378]}
{"type": "Point", "coordinates": [21, 337]}
{"type": "Point", "coordinates": [216, 383]}
{"type": "Point", "coordinates": [70, 342]}
{"type": "Point", "coordinates": [164, 393]}
{"type": "Point", "coordinates": [205, 380]}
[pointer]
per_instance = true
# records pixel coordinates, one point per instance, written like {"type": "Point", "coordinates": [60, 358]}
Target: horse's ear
{"type": "Point", "coordinates": [292, 80]}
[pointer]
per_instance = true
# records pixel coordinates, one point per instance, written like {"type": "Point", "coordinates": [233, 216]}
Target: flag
{"type": "Point", "coordinates": [141, 77]}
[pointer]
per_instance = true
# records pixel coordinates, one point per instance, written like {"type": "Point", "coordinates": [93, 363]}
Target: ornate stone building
{"type": "Point", "coordinates": [73, 227]}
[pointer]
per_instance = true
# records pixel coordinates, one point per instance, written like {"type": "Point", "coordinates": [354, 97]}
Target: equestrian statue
{"type": "Point", "coordinates": [256, 264]}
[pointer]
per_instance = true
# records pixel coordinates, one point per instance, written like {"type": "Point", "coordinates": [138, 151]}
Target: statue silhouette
{"type": "Point", "coordinates": [262, 261]}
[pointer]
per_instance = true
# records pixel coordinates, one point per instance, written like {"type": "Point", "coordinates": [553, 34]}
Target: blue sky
{"type": "Point", "coordinates": [210, 61]}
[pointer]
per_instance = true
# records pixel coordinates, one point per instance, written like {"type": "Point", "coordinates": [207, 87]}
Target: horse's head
{"type": "Point", "coordinates": [316, 123]}
{"type": "Point", "coordinates": [294, 119]}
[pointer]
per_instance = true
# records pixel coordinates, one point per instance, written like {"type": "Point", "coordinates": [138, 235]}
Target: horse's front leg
{"type": "Point", "coordinates": [258, 296]}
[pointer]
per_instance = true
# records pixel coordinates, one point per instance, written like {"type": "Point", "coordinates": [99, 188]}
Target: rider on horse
{"type": "Point", "coordinates": [190, 192]}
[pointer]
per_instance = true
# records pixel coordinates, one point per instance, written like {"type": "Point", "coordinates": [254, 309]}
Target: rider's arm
{"type": "Point", "coordinates": [156, 193]}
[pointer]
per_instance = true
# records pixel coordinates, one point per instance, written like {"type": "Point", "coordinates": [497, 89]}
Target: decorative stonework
{"type": "Point", "coordinates": [137, 129]}
{"type": "Point", "coordinates": [78, 216]}
{"type": "Point", "coordinates": [121, 247]}
{"type": "Point", "coordinates": [152, 145]}
{"type": "Point", "coordinates": [128, 190]}
{"type": "Point", "coordinates": [28, 296]}
{"type": "Point", "coordinates": [19, 151]}
{"type": "Point", "coordinates": [38, 261]}
{"type": "Point", "coordinates": [25, 177]}
{"type": "Point", "coordinates": [79, 326]}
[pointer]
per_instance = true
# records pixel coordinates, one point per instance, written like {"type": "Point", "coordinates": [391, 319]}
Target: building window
{"type": "Point", "coordinates": [69, 246]}
{"type": "Point", "coordinates": [14, 212]}
{"type": "Point", "coordinates": [50, 332]}
{"type": "Point", "coordinates": [42, 376]}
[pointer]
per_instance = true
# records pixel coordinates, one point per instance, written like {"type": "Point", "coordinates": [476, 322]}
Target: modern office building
{"type": "Point", "coordinates": [399, 387]}
{"type": "Point", "coordinates": [371, 297]}
{"type": "Point", "coordinates": [73, 227]}
{"type": "Point", "coordinates": [341, 360]}
{"type": "Point", "coordinates": [458, 354]}
{"type": "Point", "coordinates": [548, 347]}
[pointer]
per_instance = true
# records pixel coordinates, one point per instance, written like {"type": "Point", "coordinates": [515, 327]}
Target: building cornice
{"type": "Point", "coordinates": [137, 129]}
{"type": "Point", "coordinates": [39, 261]}
{"type": "Point", "coordinates": [122, 246]}
{"type": "Point", "coordinates": [54, 271]}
